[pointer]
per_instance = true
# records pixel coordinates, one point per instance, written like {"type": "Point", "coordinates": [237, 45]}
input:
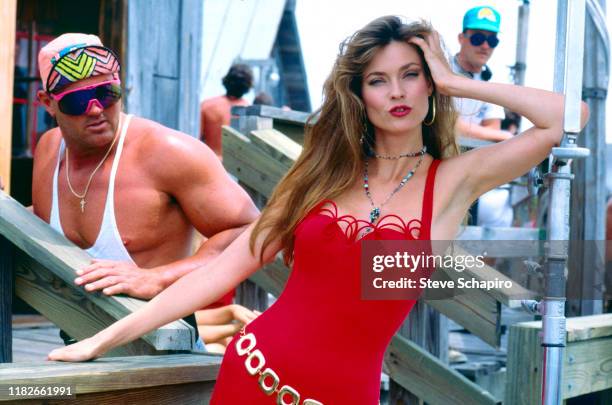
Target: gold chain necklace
{"type": "Point", "coordinates": [82, 196]}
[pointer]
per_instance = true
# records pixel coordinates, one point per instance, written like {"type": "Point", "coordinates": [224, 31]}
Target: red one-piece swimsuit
{"type": "Point", "coordinates": [320, 337]}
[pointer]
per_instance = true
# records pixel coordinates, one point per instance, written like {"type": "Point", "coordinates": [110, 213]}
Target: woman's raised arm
{"type": "Point", "coordinates": [487, 167]}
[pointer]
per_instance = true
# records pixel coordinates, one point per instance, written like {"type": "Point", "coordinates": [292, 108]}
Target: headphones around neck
{"type": "Point", "coordinates": [485, 74]}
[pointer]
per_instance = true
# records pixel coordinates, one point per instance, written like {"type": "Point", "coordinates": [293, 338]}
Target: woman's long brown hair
{"type": "Point", "coordinates": [332, 156]}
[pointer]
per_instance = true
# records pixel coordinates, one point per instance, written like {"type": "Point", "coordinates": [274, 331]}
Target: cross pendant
{"type": "Point", "coordinates": [83, 205]}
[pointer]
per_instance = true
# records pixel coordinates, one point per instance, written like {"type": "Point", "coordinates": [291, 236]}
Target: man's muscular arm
{"type": "Point", "coordinates": [217, 206]}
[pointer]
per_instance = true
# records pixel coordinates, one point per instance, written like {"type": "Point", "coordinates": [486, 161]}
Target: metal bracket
{"type": "Point", "coordinates": [561, 176]}
{"type": "Point", "coordinates": [533, 268]}
{"type": "Point", "coordinates": [531, 306]}
{"type": "Point", "coordinates": [598, 93]}
{"type": "Point", "coordinates": [570, 152]}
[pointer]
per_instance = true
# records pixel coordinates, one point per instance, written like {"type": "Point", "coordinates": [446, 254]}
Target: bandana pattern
{"type": "Point", "coordinates": [81, 64]}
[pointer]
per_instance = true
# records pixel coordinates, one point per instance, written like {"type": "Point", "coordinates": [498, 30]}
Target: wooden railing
{"type": "Point", "coordinates": [167, 379]}
{"type": "Point", "coordinates": [44, 265]}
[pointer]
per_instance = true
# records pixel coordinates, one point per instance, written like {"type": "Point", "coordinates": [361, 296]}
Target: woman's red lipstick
{"type": "Point", "coordinates": [400, 110]}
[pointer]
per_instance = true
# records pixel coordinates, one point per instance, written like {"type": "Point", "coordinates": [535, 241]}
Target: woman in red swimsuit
{"type": "Point", "coordinates": [381, 149]}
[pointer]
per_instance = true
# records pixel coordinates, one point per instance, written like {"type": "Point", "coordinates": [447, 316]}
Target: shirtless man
{"type": "Point", "coordinates": [126, 189]}
{"type": "Point", "coordinates": [216, 112]}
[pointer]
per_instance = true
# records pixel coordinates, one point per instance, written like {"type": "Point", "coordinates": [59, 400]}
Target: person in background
{"type": "Point", "coordinates": [263, 98]}
{"type": "Point", "coordinates": [511, 123]}
{"type": "Point", "coordinates": [478, 119]}
{"type": "Point", "coordinates": [216, 112]}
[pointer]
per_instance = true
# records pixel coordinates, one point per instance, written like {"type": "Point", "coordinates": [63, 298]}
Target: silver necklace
{"type": "Point", "coordinates": [375, 211]}
{"type": "Point", "coordinates": [409, 154]}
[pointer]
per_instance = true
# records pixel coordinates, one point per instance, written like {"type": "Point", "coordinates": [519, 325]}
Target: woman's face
{"type": "Point", "coordinates": [395, 89]}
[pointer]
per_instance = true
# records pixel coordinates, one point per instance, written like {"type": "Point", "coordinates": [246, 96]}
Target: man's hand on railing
{"type": "Point", "coordinates": [114, 277]}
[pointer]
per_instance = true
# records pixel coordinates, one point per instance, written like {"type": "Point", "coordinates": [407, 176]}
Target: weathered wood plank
{"type": "Point", "coordinates": [272, 277]}
{"type": "Point", "coordinates": [278, 114]}
{"type": "Point", "coordinates": [429, 378]}
{"type": "Point", "coordinates": [55, 259]}
{"type": "Point", "coordinates": [70, 308]}
{"type": "Point", "coordinates": [478, 313]}
{"type": "Point", "coordinates": [586, 360]}
{"type": "Point", "coordinates": [589, 327]}
{"type": "Point", "coordinates": [185, 394]}
{"type": "Point", "coordinates": [277, 145]}
{"type": "Point", "coordinates": [250, 164]}
{"type": "Point", "coordinates": [6, 300]}
{"type": "Point", "coordinates": [290, 123]}
{"type": "Point", "coordinates": [581, 327]}
{"type": "Point", "coordinates": [8, 16]}
{"type": "Point", "coordinates": [43, 335]}
{"type": "Point", "coordinates": [428, 329]}
{"type": "Point", "coordinates": [116, 374]}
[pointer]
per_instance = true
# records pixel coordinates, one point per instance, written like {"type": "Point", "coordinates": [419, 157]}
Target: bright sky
{"type": "Point", "coordinates": [323, 24]}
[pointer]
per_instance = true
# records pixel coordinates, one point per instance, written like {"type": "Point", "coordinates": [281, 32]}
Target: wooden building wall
{"type": "Point", "coordinates": [163, 60]}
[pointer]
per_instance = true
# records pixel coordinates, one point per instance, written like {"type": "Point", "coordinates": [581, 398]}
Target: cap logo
{"type": "Point", "coordinates": [81, 63]}
{"type": "Point", "coordinates": [76, 69]}
{"type": "Point", "coordinates": [486, 14]}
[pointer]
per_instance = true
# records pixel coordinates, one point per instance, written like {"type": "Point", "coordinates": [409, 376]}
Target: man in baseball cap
{"type": "Point", "coordinates": [128, 190]}
{"type": "Point", "coordinates": [478, 40]}
{"type": "Point", "coordinates": [477, 119]}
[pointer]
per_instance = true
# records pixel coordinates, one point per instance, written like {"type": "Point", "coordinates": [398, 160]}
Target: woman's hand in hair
{"type": "Point", "coordinates": [441, 72]}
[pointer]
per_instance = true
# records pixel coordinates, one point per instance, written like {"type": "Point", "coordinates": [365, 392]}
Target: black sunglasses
{"type": "Point", "coordinates": [478, 38]}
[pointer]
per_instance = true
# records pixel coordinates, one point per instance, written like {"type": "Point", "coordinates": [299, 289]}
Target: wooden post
{"type": "Point", "coordinates": [248, 294]}
{"type": "Point", "coordinates": [6, 300]}
{"type": "Point", "coordinates": [8, 15]}
{"type": "Point", "coordinates": [585, 280]}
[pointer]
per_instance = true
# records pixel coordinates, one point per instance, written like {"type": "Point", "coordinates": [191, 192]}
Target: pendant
{"type": "Point", "coordinates": [374, 214]}
{"type": "Point", "coordinates": [83, 205]}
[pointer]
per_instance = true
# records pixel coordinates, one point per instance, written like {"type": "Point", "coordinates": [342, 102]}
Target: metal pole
{"type": "Point", "coordinates": [568, 77]}
{"type": "Point", "coordinates": [521, 44]}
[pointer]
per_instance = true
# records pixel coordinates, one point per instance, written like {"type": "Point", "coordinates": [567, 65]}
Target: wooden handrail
{"type": "Point", "coordinates": [45, 268]}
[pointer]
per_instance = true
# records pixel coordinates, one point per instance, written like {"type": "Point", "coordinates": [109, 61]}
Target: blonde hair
{"type": "Point", "coordinates": [332, 156]}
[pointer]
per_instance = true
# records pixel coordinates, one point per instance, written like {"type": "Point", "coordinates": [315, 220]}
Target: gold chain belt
{"type": "Point", "coordinates": [245, 346]}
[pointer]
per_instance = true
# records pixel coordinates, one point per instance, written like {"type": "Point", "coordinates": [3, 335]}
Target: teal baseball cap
{"type": "Point", "coordinates": [482, 18]}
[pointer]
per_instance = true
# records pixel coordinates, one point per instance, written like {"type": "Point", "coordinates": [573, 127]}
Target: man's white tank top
{"type": "Point", "coordinates": [108, 244]}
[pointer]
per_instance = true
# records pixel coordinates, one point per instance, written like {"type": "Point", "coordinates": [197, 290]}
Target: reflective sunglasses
{"type": "Point", "coordinates": [478, 38]}
{"type": "Point", "coordinates": [79, 101]}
